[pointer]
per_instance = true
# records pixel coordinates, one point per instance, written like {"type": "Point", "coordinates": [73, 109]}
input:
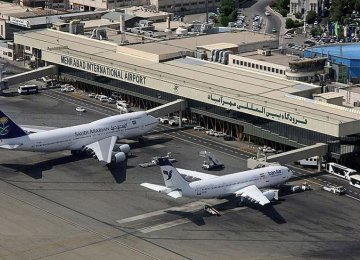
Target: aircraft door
{"type": "Point", "coordinates": [198, 191]}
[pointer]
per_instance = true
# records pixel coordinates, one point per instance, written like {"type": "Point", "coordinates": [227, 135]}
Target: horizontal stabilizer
{"type": "Point", "coordinates": [175, 194]}
{"type": "Point", "coordinates": [162, 189]}
{"type": "Point", "coordinates": [10, 146]}
{"type": "Point", "coordinates": [155, 187]}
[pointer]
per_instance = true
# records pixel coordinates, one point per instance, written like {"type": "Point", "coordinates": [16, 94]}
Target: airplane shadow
{"type": "Point", "coordinates": [196, 217]}
{"type": "Point", "coordinates": [269, 211]}
{"type": "Point", "coordinates": [35, 170]}
{"type": "Point", "coordinates": [118, 170]}
{"type": "Point", "coordinates": [151, 142]}
{"type": "Point", "coordinates": [170, 130]}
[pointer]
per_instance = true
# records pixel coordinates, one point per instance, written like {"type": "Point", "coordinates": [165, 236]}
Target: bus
{"type": "Point", "coordinates": [28, 89]}
{"type": "Point", "coordinates": [355, 180]}
{"type": "Point", "coordinates": [339, 170]}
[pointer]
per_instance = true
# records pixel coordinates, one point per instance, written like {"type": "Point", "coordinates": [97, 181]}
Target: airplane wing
{"type": "Point", "coordinates": [103, 148]}
{"type": "Point", "coordinates": [36, 129]}
{"type": "Point", "coordinates": [254, 194]}
{"type": "Point", "coordinates": [162, 189]}
{"type": "Point", "coordinates": [195, 174]}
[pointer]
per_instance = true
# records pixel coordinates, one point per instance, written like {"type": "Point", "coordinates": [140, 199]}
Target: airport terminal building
{"type": "Point", "coordinates": [250, 105]}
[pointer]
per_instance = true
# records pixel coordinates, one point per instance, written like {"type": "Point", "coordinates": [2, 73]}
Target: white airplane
{"type": "Point", "coordinates": [246, 184]}
{"type": "Point", "coordinates": [100, 136]}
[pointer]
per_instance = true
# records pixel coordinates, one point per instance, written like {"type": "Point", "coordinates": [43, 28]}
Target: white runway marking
{"type": "Point", "coordinates": [185, 208]}
{"type": "Point", "coordinates": [168, 224]}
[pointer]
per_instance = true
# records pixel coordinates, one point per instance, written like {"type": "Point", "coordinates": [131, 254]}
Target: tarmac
{"type": "Point", "coordinates": [56, 206]}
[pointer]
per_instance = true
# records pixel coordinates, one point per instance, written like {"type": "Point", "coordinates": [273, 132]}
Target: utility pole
{"type": "Point", "coordinates": [304, 31]}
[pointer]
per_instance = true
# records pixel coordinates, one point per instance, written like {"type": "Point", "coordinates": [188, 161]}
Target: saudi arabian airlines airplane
{"type": "Point", "coordinates": [246, 184]}
{"type": "Point", "coordinates": [100, 136]}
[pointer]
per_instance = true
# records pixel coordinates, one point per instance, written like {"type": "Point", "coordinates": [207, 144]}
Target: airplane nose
{"type": "Point", "coordinates": [290, 173]}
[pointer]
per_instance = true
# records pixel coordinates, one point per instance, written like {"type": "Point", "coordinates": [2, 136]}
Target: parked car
{"type": "Point", "coordinates": [219, 134]}
{"type": "Point", "coordinates": [199, 128]}
{"type": "Point", "coordinates": [229, 138]}
{"type": "Point", "coordinates": [174, 122]}
{"type": "Point", "coordinates": [67, 88]}
{"type": "Point", "coordinates": [80, 109]}
{"type": "Point", "coordinates": [111, 100]}
{"type": "Point", "coordinates": [267, 13]}
{"type": "Point", "coordinates": [92, 95]}
{"type": "Point", "coordinates": [274, 30]}
{"type": "Point", "coordinates": [164, 120]}
{"type": "Point", "coordinates": [103, 98]}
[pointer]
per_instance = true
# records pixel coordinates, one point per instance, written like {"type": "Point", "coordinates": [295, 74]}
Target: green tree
{"type": "Point", "coordinates": [228, 12]}
{"type": "Point", "coordinates": [298, 15]}
{"type": "Point", "coordinates": [283, 4]}
{"type": "Point", "coordinates": [289, 23]}
{"type": "Point", "coordinates": [224, 20]}
{"type": "Point", "coordinates": [315, 31]}
{"type": "Point", "coordinates": [283, 12]}
{"type": "Point", "coordinates": [310, 17]}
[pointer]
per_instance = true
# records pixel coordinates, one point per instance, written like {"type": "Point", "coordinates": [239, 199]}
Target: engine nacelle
{"type": "Point", "coordinates": [271, 194]}
{"type": "Point", "coordinates": [125, 148]}
{"type": "Point", "coordinates": [119, 157]}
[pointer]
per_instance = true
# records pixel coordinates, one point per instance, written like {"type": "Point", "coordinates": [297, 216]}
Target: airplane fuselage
{"type": "Point", "coordinates": [229, 184]}
{"type": "Point", "coordinates": [76, 137]}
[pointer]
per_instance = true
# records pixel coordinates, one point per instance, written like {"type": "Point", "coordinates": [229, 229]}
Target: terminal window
{"type": "Point", "coordinates": [261, 67]}
{"type": "Point", "coordinates": [245, 63]}
{"type": "Point", "coordinates": [241, 63]}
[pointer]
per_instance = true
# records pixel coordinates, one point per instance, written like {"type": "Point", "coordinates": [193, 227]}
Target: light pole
{"type": "Point", "coordinates": [304, 31]}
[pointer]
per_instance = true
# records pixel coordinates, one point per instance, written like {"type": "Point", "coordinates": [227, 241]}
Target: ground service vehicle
{"type": "Point", "coordinates": [28, 89]}
{"type": "Point", "coordinates": [340, 190]}
{"type": "Point", "coordinates": [339, 170]}
{"type": "Point", "coordinates": [355, 180]}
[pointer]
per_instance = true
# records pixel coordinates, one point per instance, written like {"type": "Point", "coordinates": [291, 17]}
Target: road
{"type": "Point", "coordinates": [259, 7]}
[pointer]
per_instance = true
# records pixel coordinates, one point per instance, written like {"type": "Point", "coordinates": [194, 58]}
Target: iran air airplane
{"type": "Point", "coordinates": [246, 184]}
{"type": "Point", "coordinates": [100, 136]}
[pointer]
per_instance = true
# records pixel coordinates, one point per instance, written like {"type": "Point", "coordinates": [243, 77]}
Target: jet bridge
{"type": "Point", "coordinates": [168, 108]}
{"type": "Point", "coordinates": [318, 149]}
{"type": "Point", "coordinates": [6, 82]}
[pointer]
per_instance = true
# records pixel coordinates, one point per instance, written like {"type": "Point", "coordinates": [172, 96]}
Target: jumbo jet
{"type": "Point", "coordinates": [100, 136]}
{"type": "Point", "coordinates": [246, 184]}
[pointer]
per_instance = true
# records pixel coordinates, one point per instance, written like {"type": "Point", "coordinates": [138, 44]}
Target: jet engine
{"type": "Point", "coordinates": [118, 157]}
{"type": "Point", "coordinates": [125, 148]}
{"type": "Point", "coordinates": [271, 194]}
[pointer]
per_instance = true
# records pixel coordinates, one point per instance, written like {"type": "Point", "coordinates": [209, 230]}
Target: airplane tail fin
{"type": "Point", "coordinates": [172, 177]}
{"type": "Point", "coordinates": [8, 129]}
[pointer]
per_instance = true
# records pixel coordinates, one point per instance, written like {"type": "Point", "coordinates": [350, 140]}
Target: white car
{"type": "Point", "coordinates": [219, 134]}
{"type": "Point", "coordinates": [211, 132]}
{"type": "Point", "coordinates": [92, 95]}
{"type": "Point", "coordinates": [199, 128]}
{"type": "Point", "coordinates": [67, 88]}
{"type": "Point", "coordinates": [174, 122]}
{"type": "Point", "coordinates": [80, 109]}
{"type": "Point", "coordinates": [111, 100]}
{"type": "Point", "coordinates": [267, 13]}
{"type": "Point", "coordinates": [164, 120]}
